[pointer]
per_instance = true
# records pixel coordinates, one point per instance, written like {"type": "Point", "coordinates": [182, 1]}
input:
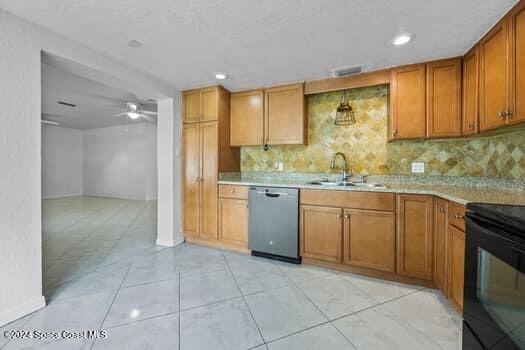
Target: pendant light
{"type": "Point", "coordinates": [344, 114]}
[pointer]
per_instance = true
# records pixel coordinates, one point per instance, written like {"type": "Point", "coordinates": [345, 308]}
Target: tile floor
{"type": "Point", "coordinates": [104, 272]}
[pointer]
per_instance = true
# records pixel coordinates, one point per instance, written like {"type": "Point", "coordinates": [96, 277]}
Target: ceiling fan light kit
{"type": "Point", "coordinates": [135, 111]}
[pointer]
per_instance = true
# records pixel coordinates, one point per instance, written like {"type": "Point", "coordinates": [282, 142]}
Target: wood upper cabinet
{"type": "Point", "coordinates": [191, 102]}
{"type": "Point", "coordinates": [191, 178]}
{"type": "Point", "coordinates": [440, 243]}
{"type": "Point", "coordinates": [284, 115]}
{"type": "Point", "coordinates": [233, 221]}
{"type": "Point", "coordinates": [494, 77]}
{"type": "Point", "coordinates": [517, 78]}
{"type": "Point", "coordinates": [208, 104]}
{"type": "Point", "coordinates": [200, 105]}
{"type": "Point", "coordinates": [415, 236]}
{"type": "Point", "coordinates": [443, 102]}
{"type": "Point", "coordinates": [407, 102]}
{"type": "Point", "coordinates": [274, 116]}
{"type": "Point", "coordinates": [456, 267]}
{"type": "Point", "coordinates": [321, 233]}
{"type": "Point", "coordinates": [471, 92]}
{"type": "Point", "coordinates": [369, 239]}
{"type": "Point", "coordinates": [247, 118]}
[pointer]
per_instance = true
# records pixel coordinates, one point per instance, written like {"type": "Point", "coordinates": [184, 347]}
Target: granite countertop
{"type": "Point", "coordinates": [461, 190]}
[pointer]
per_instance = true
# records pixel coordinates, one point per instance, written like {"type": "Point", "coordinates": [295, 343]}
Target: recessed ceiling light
{"type": "Point", "coordinates": [402, 39]}
{"type": "Point", "coordinates": [221, 76]}
{"type": "Point", "coordinates": [134, 44]}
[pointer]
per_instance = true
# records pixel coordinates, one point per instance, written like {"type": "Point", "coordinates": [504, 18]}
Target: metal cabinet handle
{"type": "Point", "coordinates": [509, 114]}
{"type": "Point", "coordinates": [347, 216]}
{"type": "Point", "coordinates": [339, 216]}
{"type": "Point", "coordinates": [198, 179]}
{"type": "Point", "coordinates": [458, 216]}
{"type": "Point", "coordinates": [394, 132]}
{"type": "Point", "coordinates": [232, 191]}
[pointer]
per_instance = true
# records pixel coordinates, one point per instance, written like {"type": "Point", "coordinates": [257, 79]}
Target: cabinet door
{"type": "Point", "coordinates": [209, 186]}
{"type": "Point", "coordinates": [456, 267]}
{"type": "Point", "coordinates": [444, 98]}
{"type": "Point", "coordinates": [247, 119]}
{"type": "Point", "coordinates": [191, 106]}
{"type": "Point", "coordinates": [321, 233]}
{"type": "Point", "coordinates": [415, 238]}
{"type": "Point", "coordinates": [191, 178]}
{"type": "Point", "coordinates": [369, 239]}
{"type": "Point", "coordinates": [440, 243]}
{"type": "Point", "coordinates": [517, 79]}
{"type": "Point", "coordinates": [407, 102]}
{"type": "Point", "coordinates": [233, 221]}
{"type": "Point", "coordinates": [494, 73]}
{"type": "Point", "coordinates": [470, 92]}
{"type": "Point", "coordinates": [285, 115]}
{"type": "Point", "coordinates": [208, 107]}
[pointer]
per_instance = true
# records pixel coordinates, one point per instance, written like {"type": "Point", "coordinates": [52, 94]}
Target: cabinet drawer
{"type": "Point", "coordinates": [456, 215]}
{"type": "Point", "coordinates": [347, 199]}
{"type": "Point", "coordinates": [233, 191]}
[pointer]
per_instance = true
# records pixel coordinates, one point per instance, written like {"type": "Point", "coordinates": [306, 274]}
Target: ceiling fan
{"type": "Point", "coordinates": [135, 111]}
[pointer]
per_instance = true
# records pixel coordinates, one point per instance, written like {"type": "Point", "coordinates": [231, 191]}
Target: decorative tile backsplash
{"type": "Point", "coordinates": [366, 148]}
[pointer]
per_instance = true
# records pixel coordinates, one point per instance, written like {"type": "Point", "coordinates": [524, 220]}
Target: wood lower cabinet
{"type": "Point", "coordinates": [443, 98]}
{"type": "Point", "coordinates": [456, 267]}
{"type": "Point", "coordinates": [247, 118]}
{"type": "Point", "coordinates": [369, 239]}
{"type": "Point", "coordinates": [470, 93]}
{"type": "Point", "coordinates": [440, 243]}
{"type": "Point", "coordinates": [233, 221]}
{"type": "Point", "coordinates": [415, 236]}
{"type": "Point", "coordinates": [191, 183]}
{"type": "Point", "coordinates": [209, 174]}
{"type": "Point", "coordinates": [407, 102]}
{"type": "Point", "coordinates": [284, 115]}
{"type": "Point", "coordinates": [494, 82]}
{"type": "Point", "coordinates": [321, 233]}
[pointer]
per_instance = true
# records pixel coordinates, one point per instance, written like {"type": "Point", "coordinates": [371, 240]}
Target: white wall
{"type": "Point", "coordinates": [21, 44]}
{"type": "Point", "coordinates": [62, 162]}
{"type": "Point", "coordinates": [120, 161]}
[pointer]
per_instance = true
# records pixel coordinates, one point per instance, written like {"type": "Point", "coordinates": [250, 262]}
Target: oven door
{"type": "Point", "coordinates": [494, 304]}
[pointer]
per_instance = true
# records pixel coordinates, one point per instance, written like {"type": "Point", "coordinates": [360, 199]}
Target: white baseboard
{"type": "Point", "coordinates": [64, 196]}
{"type": "Point", "coordinates": [170, 243]}
{"type": "Point", "coordinates": [19, 311]}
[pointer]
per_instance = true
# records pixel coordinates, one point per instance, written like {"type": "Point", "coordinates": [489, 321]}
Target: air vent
{"type": "Point", "coordinates": [347, 71]}
{"type": "Point", "coordinates": [66, 104]}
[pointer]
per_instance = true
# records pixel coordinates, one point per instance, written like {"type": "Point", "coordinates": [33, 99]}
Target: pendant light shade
{"type": "Point", "coordinates": [344, 114]}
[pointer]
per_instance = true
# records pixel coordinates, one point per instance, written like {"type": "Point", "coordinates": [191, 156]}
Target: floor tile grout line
{"type": "Point", "coordinates": [244, 299]}
{"type": "Point", "coordinates": [114, 298]}
{"type": "Point", "coordinates": [102, 260]}
{"type": "Point", "coordinates": [321, 311]}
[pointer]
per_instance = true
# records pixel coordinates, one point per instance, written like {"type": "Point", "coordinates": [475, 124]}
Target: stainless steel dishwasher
{"type": "Point", "coordinates": [273, 222]}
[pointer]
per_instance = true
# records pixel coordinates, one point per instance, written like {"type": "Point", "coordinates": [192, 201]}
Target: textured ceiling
{"type": "Point", "coordinates": [96, 103]}
{"type": "Point", "coordinates": [264, 42]}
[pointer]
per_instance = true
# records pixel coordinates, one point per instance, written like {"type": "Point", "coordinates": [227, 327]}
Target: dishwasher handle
{"type": "Point", "coordinates": [272, 194]}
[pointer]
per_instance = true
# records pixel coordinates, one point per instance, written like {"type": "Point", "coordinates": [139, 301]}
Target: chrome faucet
{"type": "Point", "coordinates": [345, 174]}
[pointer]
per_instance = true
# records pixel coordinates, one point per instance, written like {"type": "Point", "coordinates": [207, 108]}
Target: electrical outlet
{"type": "Point", "coordinates": [279, 166]}
{"type": "Point", "coordinates": [418, 167]}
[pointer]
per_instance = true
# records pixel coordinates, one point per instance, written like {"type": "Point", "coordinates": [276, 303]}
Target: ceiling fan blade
{"type": "Point", "coordinates": [149, 112]}
{"type": "Point", "coordinates": [149, 119]}
{"type": "Point", "coordinates": [121, 114]}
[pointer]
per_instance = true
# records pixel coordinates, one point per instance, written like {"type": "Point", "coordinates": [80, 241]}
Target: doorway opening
{"type": "Point", "coordinates": [99, 182]}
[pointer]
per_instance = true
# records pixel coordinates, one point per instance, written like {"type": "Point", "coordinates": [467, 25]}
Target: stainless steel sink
{"type": "Point", "coordinates": [347, 184]}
